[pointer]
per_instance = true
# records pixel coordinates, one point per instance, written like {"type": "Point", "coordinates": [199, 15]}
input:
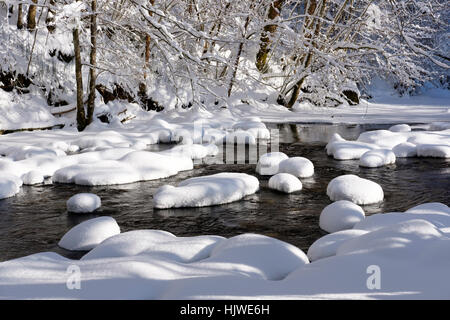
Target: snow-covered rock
{"type": "Point", "coordinates": [377, 158]}
{"type": "Point", "coordinates": [83, 203]}
{"type": "Point", "coordinates": [155, 243]}
{"type": "Point", "coordinates": [327, 245]}
{"type": "Point", "coordinates": [132, 167]}
{"type": "Point", "coordinates": [384, 139]}
{"type": "Point", "coordinates": [355, 189]}
{"type": "Point", "coordinates": [9, 185]}
{"type": "Point", "coordinates": [285, 182]}
{"type": "Point", "coordinates": [261, 253]}
{"type": "Point", "coordinates": [240, 137]}
{"type": "Point", "coordinates": [32, 177]}
{"type": "Point", "coordinates": [89, 234]}
{"type": "Point", "coordinates": [434, 150]}
{"type": "Point", "coordinates": [268, 164]}
{"type": "Point", "coordinates": [342, 149]}
{"type": "Point", "coordinates": [400, 128]}
{"type": "Point", "coordinates": [204, 191]}
{"type": "Point", "coordinates": [405, 150]}
{"type": "Point", "coordinates": [297, 166]}
{"type": "Point", "coordinates": [340, 215]}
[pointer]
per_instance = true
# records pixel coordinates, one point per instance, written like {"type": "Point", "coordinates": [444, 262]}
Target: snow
{"type": "Point", "coordinates": [340, 215]}
{"type": "Point", "coordinates": [404, 143]}
{"type": "Point", "coordinates": [9, 185]}
{"type": "Point", "coordinates": [155, 243]}
{"type": "Point", "coordinates": [33, 177]}
{"type": "Point", "coordinates": [252, 250]}
{"type": "Point", "coordinates": [268, 164]}
{"type": "Point", "coordinates": [153, 264]}
{"type": "Point", "coordinates": [434, 150]}
{"type": "Point", "coordinates": [83, 203]}
{"type": "Point", "coordinates": [405, 150]}
{"type": "Point", "coordinates": [400, 128]}
{"type": "Point", "coordinates": [297, 166]}
{"type": "Point", "coordinates": [327, 245]}
{"type": "Point", "coordinates": [355, 189]}
{"type": "Point", "coordinates": [377, 158]}
{"type": "Point", "coordinates": [204, 191]}
{"type": "Point", "coordinates": [132, 167]}
{"type": "Point", "coordinates": [342, 149]}
{"type": "Point", "coordinates": [24, 111]}
{"type": "Point", "coordinates": [89, 234]}
{"type": "Point", "coordinates": [285, 182]}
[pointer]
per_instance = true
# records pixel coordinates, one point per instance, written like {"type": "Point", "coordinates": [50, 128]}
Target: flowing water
{"type": "Point", "coordinates": [35, 219]}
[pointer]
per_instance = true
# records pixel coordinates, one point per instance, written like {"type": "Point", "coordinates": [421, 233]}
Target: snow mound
{"type": "Point", "coordinates": [384, 139]}
{"type": "Point", "coordinates": [262, 254]}
{"type": "Point", "coordinates": [9, 185]}
{"type": "Point", "coordinates": [393, 240]}
{"type": "Point", "coordinates": [204, 191]}
{"type": "Point", "coordinates": [33, 177]}
{"type": "Point", "coordinates": [400, 128]}
{"type": "Point", "coordinates": [327, 245]}
{"type": "Point", "coordinates": [240, 137]}
{"type": "Point", "coordinates": [268, 164]}
{"type": "Point", "coordinates": [89, 234]}
{"type": "Point", "coordinates": [405, 150]}
{"type": "Point", "coordinates": [355, 189]}
{"type": "Point", "coordinates": [132, 167]}
{"type": "Point", "coordinates": [254, 127]}
{"type": "Point", "coordinates": [155, 243]}
{"type": "Point", "coordinates": [340, 215]}
{"type": "Point", "coordinates": [297, 166]}
{"type": "Point", "coordinates": [377, 158]}
{"type": "Point", "coordinates": [83, 203]}
{"type": "Point", "coordinates": [285, 182]}
{"type": "Point", "coordinates": [434, 150]}
{"type": "Point", "coordinates": [193, 151]}
{"type": "Point", "coordinates": [342, 149]}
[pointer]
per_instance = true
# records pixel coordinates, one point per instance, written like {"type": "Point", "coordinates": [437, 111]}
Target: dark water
{"type": "Point", "coordinates": [35, 219]}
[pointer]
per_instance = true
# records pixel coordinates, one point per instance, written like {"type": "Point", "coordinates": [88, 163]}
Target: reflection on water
{"type": "Point", "coordinates": [35, 219]}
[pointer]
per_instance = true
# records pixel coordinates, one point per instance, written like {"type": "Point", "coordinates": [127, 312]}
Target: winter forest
{"type": "Point", "coordinates": [206, 141]}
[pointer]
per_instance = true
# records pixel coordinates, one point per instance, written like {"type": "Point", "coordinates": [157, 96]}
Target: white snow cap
{"type": "Point", "coordinates": [400, 128]}
{"type": "Point", "coordinates": [285, 182]}
{"type": "Point", "coordinates": [33, 177]}
{"type": "Point", "coordinates": [204, 191]}
{"type": "Point", "coordinates": [89, 234]}
{"type": "Point", "coordinates": [355, 189]}
{"type": "Point", "coordinates": [377, 158]}
{"type": "Point", "coordinates": [83, 203]}
{"type": "Point", "coordinates": [340, 215]}
{"type": "Point", "coordinates": [327, 245]}
{"type": "Point", "coordinates": [268, 164]}
{"type": "Point", "coordinates": [9, 185]}
{"type": "Point", "coordinates": [405, 150]}
{"type": "Point", "coordinates": [297, 166]}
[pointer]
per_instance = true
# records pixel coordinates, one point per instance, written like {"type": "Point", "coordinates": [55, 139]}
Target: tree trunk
{"type": "Point", "coordinates": [270, 29]}
{"type": "Point", "coordinates": [31, 19]}
{"type": "Point", "coordinates": [19, 17]}
{"type": "Point", "coordinates": [143, 85]}
{"type": "Point", "coordinates": [81, 116]}
{"type": "Point", "coordinates": [238, 57]}
{"type": "Point", "coordinates": [93, 62]}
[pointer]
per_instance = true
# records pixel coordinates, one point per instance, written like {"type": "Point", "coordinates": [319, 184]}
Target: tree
{"type": "Point", "coordinates": [19, 17]}
{"type": "Point", "coordinates": [31, 18]}
{"type": "Point", "coordinates": [269, 29]}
